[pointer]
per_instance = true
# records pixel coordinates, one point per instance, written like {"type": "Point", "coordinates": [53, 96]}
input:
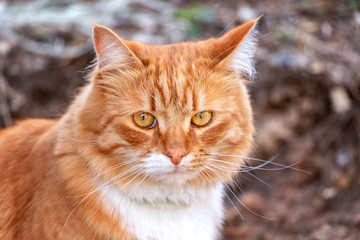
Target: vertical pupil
{"type": "Point", "coordinates": [143, 116]}
{"type": "Point", "coordinates": [201, 115]}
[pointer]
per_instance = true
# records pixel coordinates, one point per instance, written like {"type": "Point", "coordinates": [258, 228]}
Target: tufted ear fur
{"type": "Point", "coordinates": [111, 49]}
{"type": "Point", "coordinates": [235, 50]}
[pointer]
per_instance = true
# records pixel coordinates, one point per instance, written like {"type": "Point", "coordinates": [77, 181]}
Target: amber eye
{"type": "Point", "coordinates": [144, 120]}
{"type": "Point", "coordinates": [202, 118]}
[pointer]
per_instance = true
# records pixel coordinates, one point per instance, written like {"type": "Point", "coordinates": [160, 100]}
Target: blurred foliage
{"type": "Point", "coordinates": [353, 4]}
{"type": "Point", "coordinates": [284, 35]}
{"type": "Point", "coordinates": [197, 16]}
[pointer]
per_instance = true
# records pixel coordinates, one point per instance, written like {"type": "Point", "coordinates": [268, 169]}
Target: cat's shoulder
{"type": "Point", "coordinates": [19, 139]}
{"type": "Point", "coordinates": [27, 127]}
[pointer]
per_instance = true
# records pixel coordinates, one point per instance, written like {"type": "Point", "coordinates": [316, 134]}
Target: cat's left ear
{"type": "Point", "coordinates": [111, 48]}
{"type": "Point", "coordinates": [235, 50]}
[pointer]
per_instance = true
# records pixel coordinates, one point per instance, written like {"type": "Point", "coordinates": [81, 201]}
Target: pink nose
{"type": "Point", "coordinates": [175, 155]}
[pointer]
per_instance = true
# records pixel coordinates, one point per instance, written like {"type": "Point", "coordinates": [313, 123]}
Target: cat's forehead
{"type": "Point", "coordinates": [179, 57]}
{"type": "Point", "coordinates": [175, 73]}
{"type": "Point", "coordinates": [173, 88]}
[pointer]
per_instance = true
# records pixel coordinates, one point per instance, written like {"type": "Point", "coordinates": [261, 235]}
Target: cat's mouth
{"type": "Point", "coordinates": [178, 170]}
{"type": "Point", "coordinates": [173, 170]}
{"type": "Point", "coordinates": [160, 168]}
{"type": "Point", "coordinates": [173, 175]}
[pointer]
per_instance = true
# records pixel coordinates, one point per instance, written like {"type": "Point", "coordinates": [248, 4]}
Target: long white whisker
{"type": "Point", "coordinates": [259, 179]}
{"type": "Point", "coordinates": [282, 168]}
{"type": "Point", "coordinates": [116, 166]}
{"type": "Point", "coordinates": [249, 158]}
{"type": "Point", "coordinates": [121, 189]}
{"type": "Point", "coordinates": [144, 177]}
{"type": "Point", "coordinates": [232, 203]}
{"type": "Point", "coordinates": [240, 168]}
{"type": "Point", "coordinates": [112, 179]}
{"type": "Point", "coordinates": [237, 166]}
{"type": "Point", "coordinates": [270, 161]}
{"type": "Point", "coordinates": [242, 204]}
{"type": "Point", "coordinates": [230, 163]}
{"type": "Point", "coordinates": [244, 168]}
{"type": "Point", "coordinates": [96, 189]}
{"type": "Point", "coordinates": [224, 168]}
{"type": "Point", "coordinates": [137, 174]}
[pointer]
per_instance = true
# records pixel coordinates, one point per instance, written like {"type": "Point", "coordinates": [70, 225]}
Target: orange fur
{"type": "Point", "coordinates": [48, 166]}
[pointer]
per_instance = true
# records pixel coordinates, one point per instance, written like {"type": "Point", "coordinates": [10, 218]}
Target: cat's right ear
{"type": "Point", "coordinates": [111, 49]}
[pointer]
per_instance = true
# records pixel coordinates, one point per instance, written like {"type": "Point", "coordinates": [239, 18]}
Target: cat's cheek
{"type": "Point", "coordinates": [133, 136]}
{"type": "Point", "coordinates": [234, 136]}
{"type": "Point", "coordinates": [213, 135]}
{"type": "Point", "coordinates": [110, 139]}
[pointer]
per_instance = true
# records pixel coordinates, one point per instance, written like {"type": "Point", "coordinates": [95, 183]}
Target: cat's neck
{"type": "Point", "coordinates": [161, 194]}
{"type": "Point", "coordinates": [150, 212]}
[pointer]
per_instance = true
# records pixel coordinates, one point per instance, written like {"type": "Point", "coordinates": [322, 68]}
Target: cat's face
{"type": "Point", "coordinates": [166, 114]}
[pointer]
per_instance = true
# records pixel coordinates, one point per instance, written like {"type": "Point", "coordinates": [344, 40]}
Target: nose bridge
{"type": "Point", "coordinates": [175, 139]}
{"type": "Point", "coordinates": [176, 145]}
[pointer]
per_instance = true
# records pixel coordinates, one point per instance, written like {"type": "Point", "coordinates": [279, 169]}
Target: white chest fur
{"type": "Point", "coordinates": [167, 214]}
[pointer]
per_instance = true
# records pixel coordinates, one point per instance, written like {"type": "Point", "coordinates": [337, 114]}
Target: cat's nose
{"type": "Point", "coordinates": [175, 155]}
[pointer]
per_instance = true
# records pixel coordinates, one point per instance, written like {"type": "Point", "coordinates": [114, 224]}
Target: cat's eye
{"type": "Point", "coordinates": [144, 120]}
{"type": "Point", "coordinates": [202, 119]}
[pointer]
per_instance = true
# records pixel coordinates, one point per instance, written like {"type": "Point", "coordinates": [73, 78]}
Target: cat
{"type": "Point", "coordinates": [143, 152]}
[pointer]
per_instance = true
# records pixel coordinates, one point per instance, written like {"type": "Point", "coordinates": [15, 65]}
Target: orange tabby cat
{"type": "Point", "coordinates": [143, 152]}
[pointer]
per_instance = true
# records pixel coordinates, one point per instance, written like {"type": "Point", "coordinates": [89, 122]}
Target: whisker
{"type": "Point", "coordinates": [96, 189]}
{"type": "Point", "coordinates": [116, 166]}
{"type": "Point", "coordinates": [282, 165]}
{"type": "Point", "coordinates": [224, 168]}
{"type": "Point", "coordinates": [232, 203]}
{"type": "Point", "coordinates": [120, 189]}
{"type": "Point", "coordinates": [240, 168]}
{"type": "Point", "coordinates": [230, 163]}
{"type": "Point", "coordinates": [249, 158]}
{"type": "Point", "coordinates": [137, 174]}
{"type": "Point", "coordinates": [245, 169]}
{"type": "Point", "coordinates": [259, 179]}
{"type": "Point", "coordinates": [249, 169]}
{"type": "Point", "coordinates": [107, 182]}
{"type": "Point", "coordinates": [270, 161]}
{"type": "Point", "coordinates": [242, 204]}
{"type": "Point", "coordinates": [139, 183]}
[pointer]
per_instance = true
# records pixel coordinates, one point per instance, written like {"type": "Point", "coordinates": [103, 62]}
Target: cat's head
{"type": "Point", "coordinates": [173, 114]}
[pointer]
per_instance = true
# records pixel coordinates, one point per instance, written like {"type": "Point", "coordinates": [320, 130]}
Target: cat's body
{"type": "Point", "coordinates": [100, 173]}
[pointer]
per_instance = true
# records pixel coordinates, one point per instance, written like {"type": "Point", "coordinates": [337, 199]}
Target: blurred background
{"type": "Point", "coordinates": [306, 95]}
